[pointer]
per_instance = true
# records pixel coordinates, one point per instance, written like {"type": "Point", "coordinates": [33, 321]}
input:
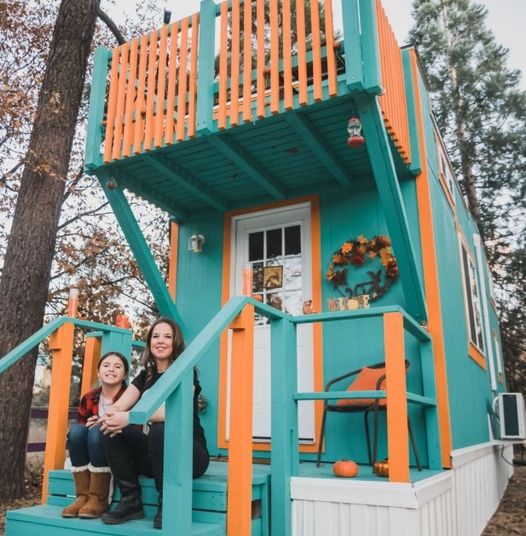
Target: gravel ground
{"type": "Point", "coordinates": [509, 519]}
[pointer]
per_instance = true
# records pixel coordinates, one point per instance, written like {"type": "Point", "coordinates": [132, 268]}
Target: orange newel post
{"type": "Point", "coordinates": [89, 366]}
{"type": "Point", "coordinates": [61, 347]}
{"type": "Point", "coordinates": [240, 444]}
{"type": "Point", "coordinates": [397, 431]}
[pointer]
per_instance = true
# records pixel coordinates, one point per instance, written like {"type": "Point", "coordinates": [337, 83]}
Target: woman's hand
{"type": "Point", "coordinates": [114, 421]}
{"type": "Point", "coordinates": [93, 421]}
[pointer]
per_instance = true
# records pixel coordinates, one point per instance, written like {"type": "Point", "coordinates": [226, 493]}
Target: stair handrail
{"type": "Point", "coordinates": [18, 352]}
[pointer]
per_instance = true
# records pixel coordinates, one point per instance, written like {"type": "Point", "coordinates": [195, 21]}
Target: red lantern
{"type": "Point", "coordinates": [354, 128]}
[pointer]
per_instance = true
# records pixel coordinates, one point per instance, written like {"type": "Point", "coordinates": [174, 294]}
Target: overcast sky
{"type": "Point", "coordinates": [506, 18]}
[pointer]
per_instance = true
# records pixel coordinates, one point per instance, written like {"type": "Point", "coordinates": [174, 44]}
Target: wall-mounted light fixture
{"type": "Point", "coordinates": [195, 243]}
{"type": "Point", "coordinates": [354, 128]}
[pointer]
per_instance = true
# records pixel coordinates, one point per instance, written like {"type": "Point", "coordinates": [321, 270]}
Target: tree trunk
{"type": "Point", "coordinates": [26, 272]}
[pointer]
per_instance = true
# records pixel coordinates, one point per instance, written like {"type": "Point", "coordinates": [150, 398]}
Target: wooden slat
{"type": "Point", "coordinates": [139, 109]}
{"type": "Point", "coordinates": [223, 66]}
{"type": "Point", "coordinates": [287, 59]}
{"type": "Point", "coordinates": [234, 65]}
{"type": "Point", "coordinates": [121, 99]}
{"type": "Point", "coordinates": [302, 53]}
{"type": "Point", "coordinates": [161, 87]}
{"type": "Point", "coordinates": [193, 76]}
{"type": "Point", "coordinates": [172, 84]}
{"type": "Point", "coordinates": [247, 60]}
{"type": "Point", "coordinates": [316, 49]}
{"type": "Point", "coordinates": [181, 95]}
{"type": "Point", "coordinates": [112, 103]}
{"type": "Point", "coordinates": [130, 98]}
{"type": "Point", "coordinates": [150, 97]}
{"type": "Point", "coordinates": [331, 56]}
{"type": "Point", "coordinates": [260, 108]}
{"type": "Point", "coordinates": [274, 57]}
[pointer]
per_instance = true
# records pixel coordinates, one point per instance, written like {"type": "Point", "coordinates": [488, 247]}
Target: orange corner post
{"type": "Point", "coordinates": [397, 431]}
{"type": "Point", "coordinates": [61, 347]}
{"type": "Point", "coordinates": [239, 500]}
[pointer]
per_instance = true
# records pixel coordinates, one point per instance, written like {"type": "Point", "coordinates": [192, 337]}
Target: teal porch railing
{"type": "Point", "coordinates": [175, 390]}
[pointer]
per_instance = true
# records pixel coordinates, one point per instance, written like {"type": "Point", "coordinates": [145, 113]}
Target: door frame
{"type": "Point", "coordinates": [228, 233]}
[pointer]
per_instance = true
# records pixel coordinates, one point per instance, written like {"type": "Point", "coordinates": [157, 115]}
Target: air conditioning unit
{"type": "Point", "coordinates": [512, 416]}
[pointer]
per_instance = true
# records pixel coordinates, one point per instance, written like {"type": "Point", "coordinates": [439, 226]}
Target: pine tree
{"type": "Point", "coordinates": [481, 112]}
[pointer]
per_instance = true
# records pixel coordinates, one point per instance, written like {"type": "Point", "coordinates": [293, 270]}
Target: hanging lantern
{"type": "Point", "coordinates": [354, 128]}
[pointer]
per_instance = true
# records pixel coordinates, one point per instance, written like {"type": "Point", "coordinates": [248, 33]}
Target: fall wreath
{"type": "Point", "coordinates": [355, 252]}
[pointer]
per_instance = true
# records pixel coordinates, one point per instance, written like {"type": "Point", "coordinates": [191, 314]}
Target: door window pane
{"type": "Point", "coordinates": [255, 246]}
{"type": "Point", "coordinates": [293, 240]}
{"type": "Point", "coordinates": [273, 243]}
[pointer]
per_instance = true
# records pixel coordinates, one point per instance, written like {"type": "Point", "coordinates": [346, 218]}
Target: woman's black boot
{"type": "Point", "coordinates": [157, 470]}
{"type": "Point", "coordinates": [130, 506]}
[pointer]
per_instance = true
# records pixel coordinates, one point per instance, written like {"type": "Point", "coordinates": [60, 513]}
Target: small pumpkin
{"type": "Point", "coordinates": [381, 468]}
{"type": "Point", "coordinates": [345, 468]}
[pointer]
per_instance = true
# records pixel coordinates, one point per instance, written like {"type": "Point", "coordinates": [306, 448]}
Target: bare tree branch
{"type": "Point", "coordinates": [111, 25]}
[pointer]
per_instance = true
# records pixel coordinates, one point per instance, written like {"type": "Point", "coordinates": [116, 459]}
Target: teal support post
{"type": "Point", "coordinates": [178, 441]}
{"type": "Point", "coordinates": [392, 203]}
{"type": "Point", "coordinates": [352, 44]}
{"type": "Point", "coordinates": [141, 252]}
{"type": "Point", "coordinates": [416, 166]}
{"type": "Point", "coordinates": [92, 157]}
{"type": "Point", "coordinates": [372, 78]}
{"type": "Point", "coordinates": [205, 75]}
{"type": "Point", "coordinates": [284, 419]}
{"type": "Point", "coordinates": [434, 452]}
{"type": "Point", "coordinates": [117, 341]}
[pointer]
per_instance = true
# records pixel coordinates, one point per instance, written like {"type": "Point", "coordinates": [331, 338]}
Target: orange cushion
{"type": "Point", "coordinates": [366, 380]}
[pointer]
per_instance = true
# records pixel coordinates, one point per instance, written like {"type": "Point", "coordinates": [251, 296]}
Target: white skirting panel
{"type": "Point", "coordinates": [455, 503]}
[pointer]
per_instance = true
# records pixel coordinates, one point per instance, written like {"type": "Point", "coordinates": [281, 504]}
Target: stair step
{"type": "Point", "coordinates": [45, 520]}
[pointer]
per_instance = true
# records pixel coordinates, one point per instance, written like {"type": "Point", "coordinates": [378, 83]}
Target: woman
{"type": "Point", "coordinates": [91, 473]}
{"type": "Point", "coordinates": [130, 451]}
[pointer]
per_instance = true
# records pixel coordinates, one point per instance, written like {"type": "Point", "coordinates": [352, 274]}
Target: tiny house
{"type": "Point", "coordinates": [317, 229]}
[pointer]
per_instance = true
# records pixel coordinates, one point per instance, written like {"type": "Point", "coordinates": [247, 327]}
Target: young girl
{"type": "Point", "coordinates": [130, 452]}
{"type": "Point", "coordinates": [91, 473]}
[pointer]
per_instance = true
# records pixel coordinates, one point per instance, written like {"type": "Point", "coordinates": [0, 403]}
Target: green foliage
{"type": "Point", "coordinates": [481, 112]}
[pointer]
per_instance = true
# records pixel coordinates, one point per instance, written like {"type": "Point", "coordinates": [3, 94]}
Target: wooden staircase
{"type": "Point", "coordinates": [208, 514]}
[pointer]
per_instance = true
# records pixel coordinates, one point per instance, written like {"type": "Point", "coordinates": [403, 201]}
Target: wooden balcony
{"type": "Point", "coordinates": [197, 116]}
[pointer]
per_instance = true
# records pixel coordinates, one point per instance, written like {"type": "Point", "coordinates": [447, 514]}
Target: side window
{"type": "Point", "coordinates": [472, 299]}
{"type": "Point", "coordinates": [446, 173]}
{"type": "Point", "coordinates": [498, 358]}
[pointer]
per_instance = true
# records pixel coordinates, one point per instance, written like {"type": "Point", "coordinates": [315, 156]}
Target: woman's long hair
{"type": "Point", "coordinates": [147, 360]}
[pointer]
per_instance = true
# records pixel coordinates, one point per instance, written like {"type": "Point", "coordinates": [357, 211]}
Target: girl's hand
{"type": "Point", "coordinates": [93, 421]}
{"type": "Point", "coordinates": [113, 422]}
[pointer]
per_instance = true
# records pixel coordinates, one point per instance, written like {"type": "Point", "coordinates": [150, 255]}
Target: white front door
{"type": "Point", "coordinates": [276, 246]}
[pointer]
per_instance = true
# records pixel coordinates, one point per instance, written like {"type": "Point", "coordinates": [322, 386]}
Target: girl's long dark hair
{"type": "Point", "coordinates": [147, 360]}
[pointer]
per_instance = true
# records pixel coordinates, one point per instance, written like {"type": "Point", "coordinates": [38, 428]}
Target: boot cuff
{"type": "Point", "coordinates": [79, 469]}
{"type": "Point", "coordinates": [94, 469]}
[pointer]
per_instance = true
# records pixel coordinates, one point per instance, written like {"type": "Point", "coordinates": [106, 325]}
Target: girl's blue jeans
{"type": "Point", "coordinates": [85, 446]}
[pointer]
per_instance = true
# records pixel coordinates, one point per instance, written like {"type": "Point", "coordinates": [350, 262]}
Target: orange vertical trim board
{"type": "Point", "coordinates": [130, 99]}
{"type": "Point", "coordinates": [329, 46]}
{"type": "Point", "coordinates": [173, 259]}
{"type": "Point", "coordinates": [152, 72]}
{"type": "Point", "coordinates": [234, 65]}
{"type": "Point", "coordinates": [260, 24]}
{"type": "Point", "coordinates": [181, 96]}
{"type": "Point", "coordinates": [138, 136]}
{"type": "Point", "coordinates": [223, 67]}
{"type": "Point", "coordinates": [316, 49]}
{"type": "Point", "coordinates": [89, 365]}
{"type": "Point", "coordinates": [396, 396]}
{"type": "Point", "coordinates": [239, 500]}
{"type": "Point", "coordinates": [287, 57]}
{"type": "Point", "coordinates": [247, 61]}
{"type": "Point", "coordinates": [431, 281]}
{"type": "Point", "coordinates": [172, 85]}
{"type": "Point", "coordinates": [302, 52]}
{"type": "Point", "coordinates": [161, 87]}
{"type": "Point", "coordinates": [193, 76]}
{"type": "Point", "coordinates": [61, 347]}
{"type": "Point", "coordinates": [274, 57]}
